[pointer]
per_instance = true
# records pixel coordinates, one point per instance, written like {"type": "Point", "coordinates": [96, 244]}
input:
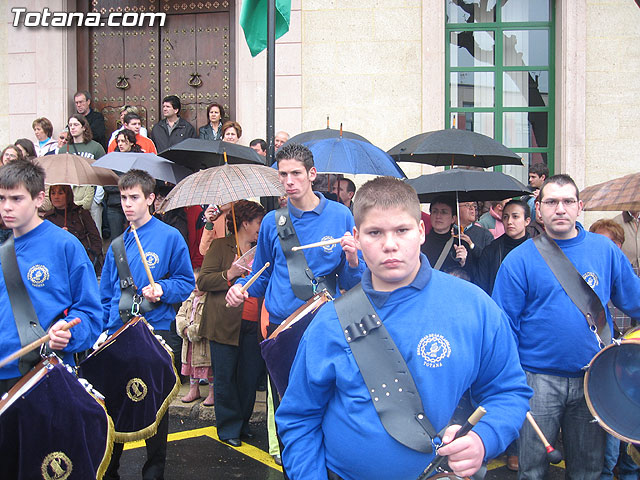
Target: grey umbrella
{"type": "Point", "coordinates": [454, 147]}
{"type": "Point", "coordinates": [158, 167]}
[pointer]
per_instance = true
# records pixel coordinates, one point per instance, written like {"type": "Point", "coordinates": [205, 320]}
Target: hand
{"type": "Point", "coordinates": [235, 297]}
{"type": "Point", "coordinates": [211, 213]}
{"type": "Point", "coordinates": [535, 193]}
{"type": "Point", "coordinates": [350, 250]}
{"type": "Point", "coordinates": [234, 271]}
{"type": "Point", "coordinates": [151, 294]}
{"type": "Point", "coordinates": [463, 236]}
{"type": "Point", "coordinates": [461, 254]}
{"type": "Point", "coordinates": [465, 454]}
{"type": "Point", "coordinates": [59, 338]}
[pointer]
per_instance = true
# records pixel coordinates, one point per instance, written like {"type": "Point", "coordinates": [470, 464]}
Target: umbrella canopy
{"type": "Point", "coordinates": [68, 169]}
{"type": "Point", "coordinates": [345, 155]}
{"type": "Point", "coordinates": [158, 167]}
{"type": "Point", "coordinates": [197, 154]}
{"type": "Point", "coordinates": [224, 184]}
{"type": "Point", "coordinates": [454, 147]}
{"type": "Point", "coordinates": [470, 185]}
{"type": "Point", "coordinates": [323, 134]}
{"type": "Point", "coordinates": [619, 194]}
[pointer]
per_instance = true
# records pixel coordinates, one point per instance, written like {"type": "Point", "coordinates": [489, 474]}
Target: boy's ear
{"type": "Point", "coordinates": [356, 236]}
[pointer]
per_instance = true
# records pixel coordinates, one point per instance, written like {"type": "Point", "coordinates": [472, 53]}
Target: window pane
{"type": "Point", "coordinates": [471, 11]}
{"type": "Point", "coordinates": [524, 48]}
{"type": "Point", "coordinates": [522, 173]}
{"type": "Point", "coordinates": [525, 11]}
{"type": "Point", "coordinates": [475, 122]}
{"type": "Point", "coordinates": [526, 89]}
{"type": "Point", "coordinates": [472, 49]}
{"type": "Point", "coordinates": [472, 89]}
{"type": "Point", "coordinates": [525, 129]}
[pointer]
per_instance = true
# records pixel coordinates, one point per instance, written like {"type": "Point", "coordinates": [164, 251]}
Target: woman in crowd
{"type": "Point", "coordinates": [213, 129]}
{"type": "Point", "coordinates": [233, 332]}
{"type": "Point", "coordinates": [27, 147]}
{"type": "Point", "coordinates": [231, 132]}
{"type": "Point", "coordinates": [126, 141]}
{"type": "Point", "coordinates": [43, 131]}
{"type": "Point", "coordinates": [11, 153]}
{"type": "Point", "coordinates": [77, 221]}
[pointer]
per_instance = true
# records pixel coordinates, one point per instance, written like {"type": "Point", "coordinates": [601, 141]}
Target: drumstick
{"type": "Point", "coordinates": [553, 455]}
{"type": "Point", "coordinates": [143, 257]}
{"type": "Point", "coordinates": [33, 345]}
{"type": "Point", "coordinates": [466, 428]}
{"type": "Point", "coordinates": [246, 286]}
{"type": "Point", "coordinates": [317, 244]}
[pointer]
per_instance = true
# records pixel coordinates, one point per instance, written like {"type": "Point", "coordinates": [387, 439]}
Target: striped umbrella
{"type": "Point", "coordinates": [615, 195]}
{"type": "Point", "coordinates": [224, 184]}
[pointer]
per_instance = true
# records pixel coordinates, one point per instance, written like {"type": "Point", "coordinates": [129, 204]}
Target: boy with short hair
{"type": "Point", "coordinates": [451, 335]}
{"type": "Point", "coordinates": [54, 267]}
{"type": "Point", "coordinates": [167, 255]}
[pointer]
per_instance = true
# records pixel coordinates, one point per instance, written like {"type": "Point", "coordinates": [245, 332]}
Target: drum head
{"type": "Point", "coordinates": [612, 389]}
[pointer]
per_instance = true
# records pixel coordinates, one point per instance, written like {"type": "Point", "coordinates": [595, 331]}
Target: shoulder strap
{"type": "Point", "coordinates": [303, 282]}
{"type": "Point", "coordinates": [128, 290]}
{"type": "Point", "coordinates": [575, 286]}
{"type": "Point", "coordinates": [27, 323]}
{"type": "Point", "coordinates": [443, 254]}
{"type": "Point", "coordinates": [388, 379]}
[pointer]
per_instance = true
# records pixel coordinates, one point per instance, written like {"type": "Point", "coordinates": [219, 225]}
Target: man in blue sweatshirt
{"type": "Point", "coordinates": [451, 335]}
{"type": "Point", "coordinates": [554, 339]}
{"type": "Point", "coordinates": [55, 270]}
{"type": "Point", "coordinates": [168, 258]}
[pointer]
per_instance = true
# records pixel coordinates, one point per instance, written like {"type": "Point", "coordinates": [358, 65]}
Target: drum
{"type": "Point", "coordinates": [612, 387]}
{"type": "Point", "coordinates": [135, 372]}
{"type": "Point", "coordinates": [279, 350]}
{"type": "Point", "coordinates": [54, 427]}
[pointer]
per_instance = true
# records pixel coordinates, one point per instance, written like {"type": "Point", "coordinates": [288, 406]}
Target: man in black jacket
{"type": "Point", "coordinates": [82, 100]}
{"type": "Point", "coordinates": [172, 129]}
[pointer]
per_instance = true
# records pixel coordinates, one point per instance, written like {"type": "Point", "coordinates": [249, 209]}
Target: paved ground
{"type": "Point", "coordinates": [195, 453]}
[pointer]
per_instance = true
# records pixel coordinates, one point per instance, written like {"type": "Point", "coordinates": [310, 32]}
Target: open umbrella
{"type": "Point", "coordinates": [454, 147]}
{"type": "Point", "coordinates": [621, 193]}
{"type": "Point", "coordinates": [158, 167]}
{"type": "Point", "coordinates": [224, 184]}
{"type": "Point", "coordinates": [69, 169]}
{"type": "Point", "coordinates": [323, 134]}
{"type": "Point", "coordinates": [197, 154]}
{"type": "Point", "coordinates": [346, 155]}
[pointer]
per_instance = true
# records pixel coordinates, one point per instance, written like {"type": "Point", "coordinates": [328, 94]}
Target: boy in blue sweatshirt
{"type": "Point", "coordinates": [168, 258]}
{"type": "Point", "coordinates": [54, 268]}
{"type": "Point", "coordinates": [553, 336]}
{"type": "Point", "coordinates": [451, 335]}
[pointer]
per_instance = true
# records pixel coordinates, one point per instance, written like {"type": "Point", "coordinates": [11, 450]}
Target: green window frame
{"type": "Point", "coordinates": [494, 103]}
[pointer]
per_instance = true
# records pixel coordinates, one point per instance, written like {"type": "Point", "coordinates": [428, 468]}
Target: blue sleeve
{"type": "Point", "coordinates": [178, 287]}
{"type": "Point", "coordinates": [625, 285]}
{"type": "Point", "coordinates": [510, 293]}
{"type": "Point", "coordinates": [106, 286]}
{"type": "Point", "coordinates": [300, 414]}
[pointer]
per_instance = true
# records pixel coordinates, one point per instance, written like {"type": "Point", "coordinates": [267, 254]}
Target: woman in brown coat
{"type": "Point", "coordinates": [233, 332]}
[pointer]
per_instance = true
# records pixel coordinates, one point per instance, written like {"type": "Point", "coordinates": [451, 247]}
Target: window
{"type": "Point", "coordinates": [500, 74]}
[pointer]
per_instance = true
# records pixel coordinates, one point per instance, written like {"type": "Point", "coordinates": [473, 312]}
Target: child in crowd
{"type": "Point", "coordinates": [196, 354]}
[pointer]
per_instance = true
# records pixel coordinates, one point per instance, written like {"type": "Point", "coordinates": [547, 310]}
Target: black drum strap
{"type": "Point", "coordinates": [27, 323]}
{"type": "Point", "coordinates": [303, 282]}
{"type": "Point", "coordinates": [128, 290]}
{"type": "Point", "coordinates": [575, 286]}
{"type": "Point", "coordinates": [388, 379]}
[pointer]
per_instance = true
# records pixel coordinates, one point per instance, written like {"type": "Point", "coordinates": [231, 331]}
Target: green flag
{"type": "Point", "coordinates": [253, 20]}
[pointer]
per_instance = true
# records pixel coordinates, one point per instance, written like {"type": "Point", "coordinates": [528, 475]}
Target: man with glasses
{"type": "Point", "coordinates": [473, 233]}
{"type": "Point", "coordinates": [553, 336]}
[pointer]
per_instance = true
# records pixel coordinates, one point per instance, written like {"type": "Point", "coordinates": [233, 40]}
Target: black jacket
{"type": "Point", "coordinates": [491, 259]}
{"type": "Point", "coordinates": [162, 139]}
{"type": "Point", "coordinates": [433, 245]}
{"type": "Point", "coordinates": [99, 131]}
{"type": "Point", "coordinates": [206, 132]}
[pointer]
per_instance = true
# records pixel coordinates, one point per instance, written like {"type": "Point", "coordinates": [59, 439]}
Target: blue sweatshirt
{"type": "Point", "coordinates": [327, 418]}
{"type": "Point", "coordinates": [168, 258]}
{"type": "Point", "coordinates": [58, 276]}
{"type": "Point", "coordinates": [552, 334]}
{"type": "Point", "coordinates": [328, 220]}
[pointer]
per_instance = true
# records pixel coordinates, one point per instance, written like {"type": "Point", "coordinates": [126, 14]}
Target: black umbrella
{"type": "Point", "coordinates": [198, 154]}
{"type": "Point", "coordinates": [315, 135]}
{"type": "Point", "coordinates": [454, 147]}
{"type": "Point", "coordinates": [467, 186]}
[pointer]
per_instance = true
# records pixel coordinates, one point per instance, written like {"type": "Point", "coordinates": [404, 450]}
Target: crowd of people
{"type": "Point", "coordinates": [396, 275]}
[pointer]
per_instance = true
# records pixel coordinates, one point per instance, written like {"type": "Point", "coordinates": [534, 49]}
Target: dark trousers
{"type": "Point", "coordinates": [236, 371]}
{"type": "Point", "coordinates": [153, 468]}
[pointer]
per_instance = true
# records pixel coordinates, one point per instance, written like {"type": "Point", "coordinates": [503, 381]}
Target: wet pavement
{"type": "Point", "coordinates": [195, 453]}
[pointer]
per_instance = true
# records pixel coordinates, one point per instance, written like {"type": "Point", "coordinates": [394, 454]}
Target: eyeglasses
{"type": "Point", "coordinates": [553, 203]}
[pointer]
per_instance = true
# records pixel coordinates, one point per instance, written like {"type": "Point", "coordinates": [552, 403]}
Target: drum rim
{"type": "Point", "coordinates": [587, 397]}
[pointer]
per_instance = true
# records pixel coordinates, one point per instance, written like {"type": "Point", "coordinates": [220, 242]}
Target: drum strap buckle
{"type": "Point", "coordinates": [135, 305]}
